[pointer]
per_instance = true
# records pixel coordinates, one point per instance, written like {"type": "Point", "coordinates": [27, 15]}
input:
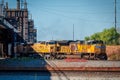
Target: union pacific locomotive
{"type": "Point", "coordinates": [93, 49]}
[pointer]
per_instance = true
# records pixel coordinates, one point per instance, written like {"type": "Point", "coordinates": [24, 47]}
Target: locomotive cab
{"type": "Point", "coordinates": [98, 48]}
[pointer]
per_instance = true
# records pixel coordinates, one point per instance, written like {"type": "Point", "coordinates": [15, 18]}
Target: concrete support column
{"type": "Point", "coordinates": [15, 44]}
{"type": "Point", "coordinates": [9, 49]}
{"type": "Point", "coordinates": [1, 50]}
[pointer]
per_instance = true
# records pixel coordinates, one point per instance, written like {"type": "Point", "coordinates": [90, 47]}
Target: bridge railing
{"type": "Point", "coordinates": [9, 25]}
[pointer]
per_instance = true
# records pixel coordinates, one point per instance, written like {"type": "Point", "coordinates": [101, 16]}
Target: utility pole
{"type": "Point", "coordinates": [52, 35]}
{"type": "Point", "coordinates": [73, 31]}
{"type": "Point", "coordinates": [117, 30]}
{"type": "Point", "coordinates": [115, 15]}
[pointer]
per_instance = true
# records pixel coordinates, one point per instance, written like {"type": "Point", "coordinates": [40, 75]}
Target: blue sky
{"type": "Point", "coordinates": [54, 19]}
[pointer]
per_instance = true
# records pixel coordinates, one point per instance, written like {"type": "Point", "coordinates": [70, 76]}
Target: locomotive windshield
{"type": "Point", "coordinates": [95, 42]}
{"type": "Point", "coordinates": [52, 42]}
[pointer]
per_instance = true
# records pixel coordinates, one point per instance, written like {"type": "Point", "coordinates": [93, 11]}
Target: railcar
{"type": "Point", "coordinates": [93, 49]}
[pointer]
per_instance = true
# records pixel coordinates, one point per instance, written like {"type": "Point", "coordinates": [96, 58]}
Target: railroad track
{"type": "Point", "coordinates": [79, 75]}
{"type": "Point", "coordinates": [61, 75]}
{"type": "Point", "coordinates": [58, 74]}
{"type": "Point", "coordinates": [84, 63]}
{"type": "Point", "coordinates": [81, 65]}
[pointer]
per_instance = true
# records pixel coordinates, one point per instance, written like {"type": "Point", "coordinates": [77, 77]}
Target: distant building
{"type": "Point", "coordinates": [1, 8]}
{"type": "Point", "coordinates": [19, 19]}
{"type": "Point", "coordinates": [31, 31]}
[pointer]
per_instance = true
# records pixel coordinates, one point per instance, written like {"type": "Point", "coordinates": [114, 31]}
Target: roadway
{"type": "Point", "coordinates": [61, 75]}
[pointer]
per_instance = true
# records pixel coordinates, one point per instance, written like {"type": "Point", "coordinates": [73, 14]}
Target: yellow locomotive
{"type": "Point", "coordinates": [93, 49]}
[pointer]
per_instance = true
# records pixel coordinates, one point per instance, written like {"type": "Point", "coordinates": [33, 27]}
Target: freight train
{"type": "Point", "coordinates": [93, 49]}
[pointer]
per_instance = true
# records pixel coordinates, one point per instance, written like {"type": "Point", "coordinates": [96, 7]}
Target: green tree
{"type": "Point", "coordinates": [87, 38]}
{"type": "Point", "coordinates": [95, 36]}
{"type": "Point", "coordinates": [110, 36]}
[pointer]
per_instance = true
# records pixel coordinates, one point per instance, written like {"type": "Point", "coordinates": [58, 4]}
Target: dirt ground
{"type": "Point", "coordinates": [113, 52]}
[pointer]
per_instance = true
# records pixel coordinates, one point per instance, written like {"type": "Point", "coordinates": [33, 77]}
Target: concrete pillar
{"type": "Point", "coordinates": [9, 49]}
{"type": "Point", "coordinates": [15, 44]}
{"type": "Point", "coordinates": [1, 50]}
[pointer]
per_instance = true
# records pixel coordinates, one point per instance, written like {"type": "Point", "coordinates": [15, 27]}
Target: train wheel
{"type": "Point", "coordinates": [57, 56]}
{"type": "Point", "coordinates": [86, 56]}
{"type": "Point", "coordinates": [45, 57]}
{"type": "Point", "coordinates": [60, 56]}
{"type": "Point", "coordinates": [103, 57]}
{"type": "Point", "coordinates": [64, 56]}
{"type": "Point", "coordinates": [81, 55]}
{"type": "Point", "coordinates": [96, 57]}
{"type": "Point", "coordinates": [52, 57]}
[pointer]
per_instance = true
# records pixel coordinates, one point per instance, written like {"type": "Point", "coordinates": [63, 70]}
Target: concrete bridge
{"type": "Point", "coordinates": [8, 38]}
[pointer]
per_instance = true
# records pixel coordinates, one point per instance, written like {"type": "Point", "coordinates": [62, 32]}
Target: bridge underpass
{"type": "Point", "coordinates": [8, 38]}
{"type": "Point", "coordinates": [5, 41]}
